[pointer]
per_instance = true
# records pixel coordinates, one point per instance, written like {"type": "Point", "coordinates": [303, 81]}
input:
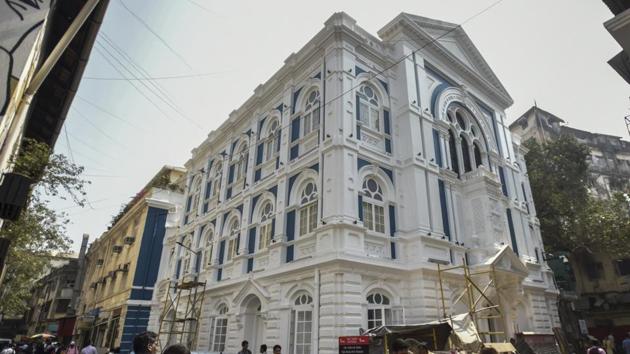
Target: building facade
{"type": "Point", "coordinates": [595, 290]}
{"type": "Point", "coordinates": [322, 205]}
{"type": "Point", "coordinates": [122, 264]}
{"type": "Point", "coordinates": [51, 307]}
{"type": "Point", "coordinates": [619, 29]}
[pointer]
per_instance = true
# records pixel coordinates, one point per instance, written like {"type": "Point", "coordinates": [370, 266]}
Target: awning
{"type": "Point", "coordinates": [501, 347]}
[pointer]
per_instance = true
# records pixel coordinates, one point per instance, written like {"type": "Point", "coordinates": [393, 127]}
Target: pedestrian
{"type": "Point", "coordinates": [88, 348]}
{"type": "Point", "coordinates": [145, 343]}
{"type": "Point", "coordinates": [176, 349]}
{"type": "Point", "coordinates": [8, 349]}
{"type": "Point", "coordinates": [277, 349]}
{"type": "Point", "coordinates": [595, 348]}
{"type": "Point", "coordinates": [72, 348]}
{"type": "Point", "coordinates": [244, 346]}
{"type": "Point", "coordinates": [609, 344]}
{"type": "Point", "coordinates": [626, 344]}
{"type": "Point", "coordinates": [263, 349]}
{"type": "Point", "coordinates": [399, 346]}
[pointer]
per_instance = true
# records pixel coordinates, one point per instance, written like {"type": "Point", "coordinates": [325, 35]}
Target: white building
{"type": "Point", "coordinates": [323, 203]}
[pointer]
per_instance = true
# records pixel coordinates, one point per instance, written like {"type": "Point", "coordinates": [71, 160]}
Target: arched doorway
{"type": "Point", "coordinates": [253, 322]}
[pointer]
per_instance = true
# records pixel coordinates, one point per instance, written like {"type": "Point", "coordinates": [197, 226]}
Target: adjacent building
{"type": "Point", "coordinates": [51, 309]}
{"type": "Point", "coordinates": [122, 265]}
{"type": "Point", "coordinates": [322, 205]}
{"type": "Point", "coordinates": [619, 28]}
{"type": "Point", "coordinates": [596, 291]}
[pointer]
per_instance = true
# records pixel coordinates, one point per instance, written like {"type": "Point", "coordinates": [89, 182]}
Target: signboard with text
{"type": "Point", "coordinates": [354, 345]}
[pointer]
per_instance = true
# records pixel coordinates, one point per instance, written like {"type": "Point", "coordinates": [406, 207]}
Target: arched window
{"type": "Point", "coordinates": [373, 205]}
{"type": "Point", "coordinates": [215, 178]}
{"type": "Point", "coordinates": [465, 153]}
{"type": "Point", "coordinates": [272, 142]}
{"type": "Point", "coordinates": [380, 311]}
{"type": "Point", "coordinates": [452, 146]}
{"type": "Point", "coordinates": [218, 329]}
{"type": "Point", "coordinates": [301, 324]}
{"type": "Point", "coordinates": [185, 250]}
{"type": "Point", "coordinates": [234, 233]}
{"type": "Point", "coordinates": [208, 243]}
{"type": "Point", "coordinates": [192, 203]}
{"type": "Point", "coordinates": [369, 109]}
{"type": "Point", "coordinates": [311, 112]}
{"type": "Point", "coordinates": [241, 163]}
{"type": "Point", "coordinates": [308, 208]}
{"type": "Point", "coordinates": [266, 227]}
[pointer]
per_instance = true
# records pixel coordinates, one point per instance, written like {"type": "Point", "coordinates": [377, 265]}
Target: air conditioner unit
{"type": "Point", "coordinates": [99, 262]}
{"type": "Point", "coordinates": [117, 249]}
{"type": "Point", "coordinates": [129, 240]}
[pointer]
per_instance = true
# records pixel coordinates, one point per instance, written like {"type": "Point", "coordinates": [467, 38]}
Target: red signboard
{"type": "Point", "coordinates": [354, 345]}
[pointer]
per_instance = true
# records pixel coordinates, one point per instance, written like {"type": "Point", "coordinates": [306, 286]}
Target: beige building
{"type": "Point", "coordinates": [122, 265]}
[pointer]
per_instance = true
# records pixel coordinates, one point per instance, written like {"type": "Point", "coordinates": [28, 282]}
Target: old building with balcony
{"type": "Point", "coordinates": [122, 265]}
{"type": "Point", "coordinates": [323, 204]}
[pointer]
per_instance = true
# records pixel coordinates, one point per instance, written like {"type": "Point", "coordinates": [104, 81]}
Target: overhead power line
{"type": "Point", "coordinates": [108, 112]}
{"type": "Point", "coordinates": [146, 25]}
{"type": "Point", "coordinates": [98, 129]}
{"type": "Point", "coordinates": [149, 78]}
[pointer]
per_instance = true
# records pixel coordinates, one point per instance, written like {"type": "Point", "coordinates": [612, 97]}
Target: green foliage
{"type": "Point", "coordinates": [571, 219]}
{"type": "Point", "coordinates": [40, 232]}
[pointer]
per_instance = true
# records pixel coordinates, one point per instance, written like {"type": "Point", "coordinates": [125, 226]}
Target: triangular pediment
{"type": "Point", "coordinates": [251, 287]}
{"type": "Point", "coordinates": [506, 260]}
{"type": "Point", "coordinates": [452, 39]}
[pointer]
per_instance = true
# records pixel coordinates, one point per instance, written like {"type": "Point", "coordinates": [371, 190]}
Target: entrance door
{"type": "Point", "coordinates": [253, 323]}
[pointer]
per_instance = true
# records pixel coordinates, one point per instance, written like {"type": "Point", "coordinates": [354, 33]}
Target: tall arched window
{"type": "Point", "coordinates": [308, 208]}
{"type": "Point", "coordinates": [464, 134]}
{"type": "Point", "coordinates": [234, 233]}
{"type": "Point", "coordinates": [452, 146]}
{"type": "Point", "coordinates": [369, 109]}
{"type": "Point", "coordinates": [192, 202]}
{"type": "Point", "coordinates": [381, 312]}
{"type": "Point", "coordinates": [215, 176]}
{"type": "Point", "coordinates": [301, 324]}
{"type": "Point", "coordinates": [272, 142]}
{"type": "Point", "coordinates": [373, 205]}
{"type": "Point", "coordinates": [265, 227]}
{"type": "Point", "coordinates": [241, 163]}
{"type": "Point", "coordinates": [208, 243]}
{"type": "Point", "coordinates": [218, 329]}
{"type": "Point", "coordinates": [186, 253]}
{"type": "Point", "coordinates": [311, 112]}
{"type": "Point", "coordinates": [465, 153]}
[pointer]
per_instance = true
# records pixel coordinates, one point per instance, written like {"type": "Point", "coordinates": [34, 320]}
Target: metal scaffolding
{"type": "Point", "coordinates": [181, 312]}
{"type": "Point", "coordinates": [472, 297]}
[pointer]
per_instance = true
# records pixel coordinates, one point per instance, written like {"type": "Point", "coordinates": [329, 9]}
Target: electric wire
{"type": "Point", "coordinates": [149, 78]}
{"type": "Point", "coordinates": [108, 112]}
{"type": "Point", "coordinates": [92, 147]}
{"type": "Point", "coordinates": [98, 129]}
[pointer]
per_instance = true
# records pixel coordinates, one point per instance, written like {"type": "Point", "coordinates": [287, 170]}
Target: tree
{"type": "Point", "coordinates": [571, 219]}
{"type": "Point", "coordinates": [39, 233]}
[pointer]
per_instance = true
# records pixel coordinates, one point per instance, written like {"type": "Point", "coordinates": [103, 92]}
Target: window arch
{"type": "Point", "coordinates": [208, 245]}
{"type": "Point", "coordinates": [308, 208]}
{"type": "Point", "coordinates": [272, 141]}
{"type": "Point", "coordinates": [185, 250]}
{"type": "Point", "coordinates": [214, 177]}
{"type": "Point", "coordinates": [241, 161]}
{"type": "Point", "coordinates": [233, 234]}
{"type": "Point", "coordinates": [373, 205]}
{"type": "Point", "coordinates": [464, 134]}
{"type": "Point", "coordinates": [192, 203]}
{"type": "Point", "coordinates": [369, 107]}
{"type": "Point", "coordinates": [218, 329]}
{"type": "Point", "coordinates": [265, 229]}
{"type": "Point", "coordinates": [301, 324]}
{"type": "Point", "coordinates": [380, 310]}
{"type": "Point", "coordinates": [312, 108]}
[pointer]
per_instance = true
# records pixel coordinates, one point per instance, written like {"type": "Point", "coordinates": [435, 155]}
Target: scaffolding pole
{"type": "Point", "coordinates": [177, 325]}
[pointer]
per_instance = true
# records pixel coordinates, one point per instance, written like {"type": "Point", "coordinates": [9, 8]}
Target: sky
{"type": "Point", "coordinates": [210, 55]}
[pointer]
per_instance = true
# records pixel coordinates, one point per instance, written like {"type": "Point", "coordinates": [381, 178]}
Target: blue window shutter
{"type": "Point", "coordinates": [445, 222]}
{"type": "Point", "coordinates": [386, 122]}
{"type": "Point", "coordinates": [221, 251]}
{"type": "Point", "coordinates": [393, 248]}
{"type": "Point", "coordinates": [279, 139]}
{"type": "Point", "coordinates": [259, 153]}
{"type": "Point", "coordinates": [238, 243]}
{"type": "Point", "coordinates": [294, 152]}
{"type": "Point", "coordinates": [205, 207]}
{"type": "Point", "coordinates": [188, 203]}
{"type": "Point", "coordinates": [289, 253]}
{"type": "Point", "coordinates": [358, 108]}
{"type": "Point", "coordinates": [392, 220]}
{"type": "Point", "coordinates": [290, 225]}
{"type": "Point", "coordinates": [511, 227]}
{"type": "Point", "coordinates": [360, 207]}
{"type": "Point", "coordinates": [277, 162]}
{"type": "Point", "coordinates": [388, 145]}
{"type": "Point", "coordinates": [231, 174]}
{"type": "Point", "coordinates": [228, 193]}
{"type": "Point", "coordinates": [437, 148]}
{"type": "Point", "coordinates": [197, 262]}
{"type": "Point", "coordinates": [251, 243]}
{"type": "Point", "coordinates": [295, 129]}
{"type": "Point", "coordinates": [250, 265]}
{"type": "Point", "coordinates": [358, 132]}
{"type": "Point", "coordinates": [178, 268]}
{"type": "Point", "coordinates": [219, 274]}
{"type": "Point", "coordinates": [273, 227]}
{"type": "Point", "coordinates": [208, 189]}
{"type": "Point", "coordinates": [503, 184]}
{"type": "Point", "coordinates": [257, 175]}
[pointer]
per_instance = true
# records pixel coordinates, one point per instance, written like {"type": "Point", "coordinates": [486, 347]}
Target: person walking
{"type": "Point", "coordinates": [145, 343]}
{"type": "Point", "coordinates": [595, 348]}
{"type": "Point", "coordinates": [244, 346]}
{"type": "Point", "coordinates": [626, 344]}
{"type": "Point", "coordinates": [609, 344]}
{"type": "Point", "coordinates": [176, 349]}
{"type": "Point", "coordinates": [8, 349]}
{"type": "Point", "coordinates": [72, 348]}
{"type": "Point", "coordinates": [88, 348]}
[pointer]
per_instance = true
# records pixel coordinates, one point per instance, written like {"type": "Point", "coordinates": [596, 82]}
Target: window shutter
{"type": "Point", "coordinates": [197, 262]}
{"type": "Point", "coordinates": [358, 108]}
{"type": "Point", "coordinates": [361, 208]}
{"type": "Point", "coordinates": [437, 148]}
{"type": "Point", "coordinates": [211, 335]}
{"type": "Point", "coordinates": [512, 233]}
{"type": "Point", "coordinates": [393, 249]}
{"type": "Point", "coordinates": [290, 231]}
{"type": "Point", "coordinates": [221, 251]}
{"type": "Point", "coordinates": [278, 139]}
{"type": "Point", "coordinates": [295, 129]}
{"type": "Point", "coordinates": [445, 221]}
{"type": "Point", "coordinates": [273, 228]}
{"type": "Point", "coordinates": [188, 203]}
{"type": "Point", "coordinates": [290, 254]}
{"type": "Point", "coordinates": [250, 265]}
{"type": "Point", "coordinates": [503, 184]}
{"type": "Point", "coordinates": [208, 189]}
{"type": "Point", "coordinates": [231, 174]}
{"type": "Point", "coordinates": [386, 122]}
{"type": "Point", "coordinates": [259, 153]}
{"type": "Point", "coordinates": [178, 268]}
{"type": "Point", "coordinates": [392, 220]}
{"type": "Point", "coordinates": [251, 244]}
